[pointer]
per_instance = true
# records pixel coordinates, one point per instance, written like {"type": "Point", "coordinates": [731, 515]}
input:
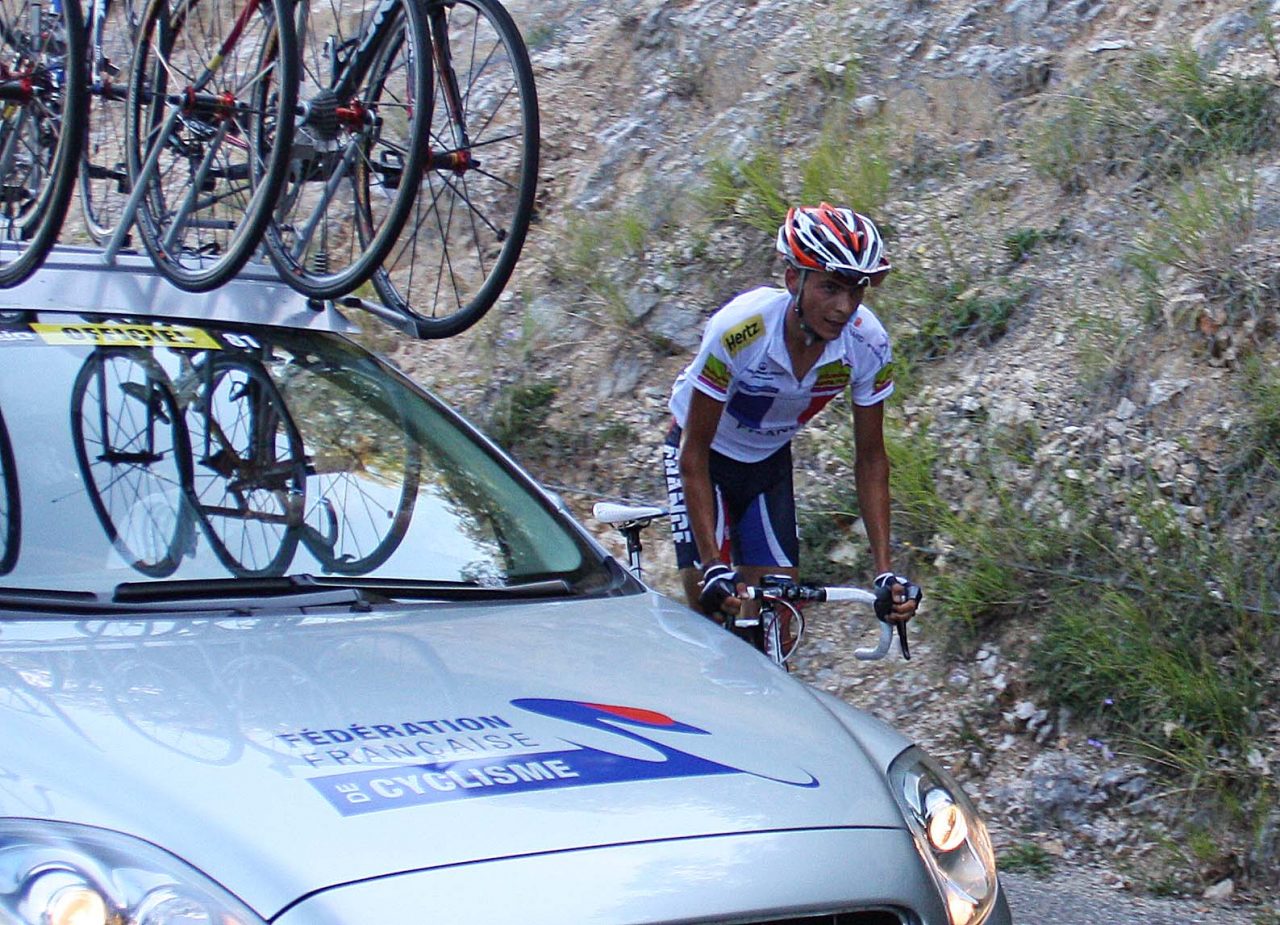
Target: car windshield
{"type": "Point", "coordinates": [145, 452]}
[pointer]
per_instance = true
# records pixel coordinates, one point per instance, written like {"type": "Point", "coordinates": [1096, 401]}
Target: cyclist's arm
{"type": "Point", "coordinates": [695, 472]}
{"type": "Point", "coordinates": [871, 477]}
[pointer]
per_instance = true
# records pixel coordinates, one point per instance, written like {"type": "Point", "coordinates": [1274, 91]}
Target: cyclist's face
{"type": "Point", "coordinates": [828, 302]}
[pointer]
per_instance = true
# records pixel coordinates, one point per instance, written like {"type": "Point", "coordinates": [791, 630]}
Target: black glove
{"type": "Point", "coordinates": [884, 592]}
{"type": "Point", "coordinates": [718, 582]}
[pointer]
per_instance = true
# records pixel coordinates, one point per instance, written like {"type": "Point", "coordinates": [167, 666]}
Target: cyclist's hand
{"type": "Point", "coordinates": [719, 589]}
{"type": "Point", "coordinates": [896, 597]}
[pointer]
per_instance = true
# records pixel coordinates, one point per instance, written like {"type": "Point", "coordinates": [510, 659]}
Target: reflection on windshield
{"type": "Point", "coordinates": [235, 454]}
{"type": "Point", "coordinates": [10, 504]}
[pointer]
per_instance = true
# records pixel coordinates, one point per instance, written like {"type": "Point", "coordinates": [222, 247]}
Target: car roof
{"type": "Point", "coordinates": [82, 281]}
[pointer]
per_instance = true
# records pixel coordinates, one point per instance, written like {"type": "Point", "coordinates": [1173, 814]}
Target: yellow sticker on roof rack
{"type": "Point", "coordinates": [126, 335]}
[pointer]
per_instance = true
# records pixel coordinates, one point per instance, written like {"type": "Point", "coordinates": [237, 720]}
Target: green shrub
{"type": "Point", "coordinates": [521, 411]}
{"type": "Point", "coordinates": [1202, 231]}
{"type": "Point", "coordinates": [957, 314]}
{"type": "Point", "coordinates": [1020, 243]}
{"type": "Point", "coordinates": [1155, 118]}
{"type": "Point", "coordinates": [1026, 857]}
{"type": "Point", "coordinates": [746, 192]}
{"type": "Point", "coordinates": [849, 165]}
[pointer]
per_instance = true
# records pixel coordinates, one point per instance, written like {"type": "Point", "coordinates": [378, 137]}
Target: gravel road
{"type": "Point", "coordinates": [1084, 898]}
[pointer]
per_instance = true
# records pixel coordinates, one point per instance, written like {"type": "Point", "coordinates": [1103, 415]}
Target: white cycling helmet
{"type": "Point", "coordinates": [831, 239]}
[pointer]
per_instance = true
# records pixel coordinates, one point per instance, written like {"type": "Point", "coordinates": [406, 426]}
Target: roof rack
{"type": "Point", "coordinates": [77, 279]}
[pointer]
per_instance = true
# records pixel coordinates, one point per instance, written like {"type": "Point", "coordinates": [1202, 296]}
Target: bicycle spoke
{"type": "Point", "coordinates": [357, 156]}
{"type": "Point", "coordinates": [218, 166]}
{"type": "Point", "coordinates": [474, 207]}
{"type": "Point", "coordinates": [248, 477]}
{"type": "Point", "coordinates": [130, 450]}
{"type": "Point", "coordinates": [42, 65]}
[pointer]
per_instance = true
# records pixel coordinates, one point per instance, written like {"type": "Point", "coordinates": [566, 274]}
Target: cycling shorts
{"type": "Point", "coordinates": [755, 508]}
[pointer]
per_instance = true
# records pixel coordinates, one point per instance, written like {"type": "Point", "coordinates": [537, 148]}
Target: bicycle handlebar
{"type": "Point", "coordinates": [632, 518]}
{"type": "Point", "coordinates": [792, 591]}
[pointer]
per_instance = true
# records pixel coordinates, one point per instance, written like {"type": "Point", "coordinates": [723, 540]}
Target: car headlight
{"type": "Point", "coordinates": [949, 835]}
{"type": "Point", "coordinates": [60, 874]}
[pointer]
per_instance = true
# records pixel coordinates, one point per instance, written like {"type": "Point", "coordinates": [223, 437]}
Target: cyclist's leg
{"type": "Point", "coordinates": [681, 532]}
{"type": "Point", "coordinates": [762, 510]}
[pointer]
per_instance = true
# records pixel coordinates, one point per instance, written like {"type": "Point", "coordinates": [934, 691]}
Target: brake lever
{"type": "Point", "coordinates": [913, 594]}
{"type": "Point", "coordinates": [884, 608]}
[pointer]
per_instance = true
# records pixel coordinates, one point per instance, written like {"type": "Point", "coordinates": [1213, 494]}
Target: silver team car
{"type": "Point", "coordinates": [282, 639]}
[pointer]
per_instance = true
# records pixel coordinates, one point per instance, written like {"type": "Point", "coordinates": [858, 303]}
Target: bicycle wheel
{"type": "Point", "coordinates": [104, 173]}
{"type": "Point", "coordinates": [363, 474]}
{"type": "Point", "coordinates": [357, 160]}
{"type": "Point", "coordinates": [133, 457]}
{"type": "Point", "coordinates": [10, 505]}
{"type": "Point", "coordinates": [42, 87]}
{"type": "Point", "coordinates": [473, 209]}
{"type": "Point", "coordinates": [249, 475]}
{"type": "Point", "coordinates": [207, 148]}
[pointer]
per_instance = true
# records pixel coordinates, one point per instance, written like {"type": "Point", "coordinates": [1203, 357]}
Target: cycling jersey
{"type": "Point", "coordinates": [743, 362]}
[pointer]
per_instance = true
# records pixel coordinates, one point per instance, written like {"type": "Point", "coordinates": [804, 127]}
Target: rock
{"type": "Point", "coordinates": [1220, 890]}
{"type": "Point", "coordinates": [1109, 45]}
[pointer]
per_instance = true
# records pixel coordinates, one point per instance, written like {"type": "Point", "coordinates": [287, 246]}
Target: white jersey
{"type": "Point", "coordinates": [743, 362]}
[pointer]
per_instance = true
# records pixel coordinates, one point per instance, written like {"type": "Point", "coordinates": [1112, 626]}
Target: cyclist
{"type": "Point", "coordinates": [770, 359]}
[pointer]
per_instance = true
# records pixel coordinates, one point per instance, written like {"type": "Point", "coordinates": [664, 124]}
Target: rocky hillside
{"type": "Point", "coordinates": [1081, 204]}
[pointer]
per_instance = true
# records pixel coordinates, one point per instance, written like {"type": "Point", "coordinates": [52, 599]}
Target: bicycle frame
{"type": "Point", "coordinates": [191, 100]}
{"type": "Point", "coordinates": [353, 69]}
{"type": "Point", "coordinates": [98, 86]}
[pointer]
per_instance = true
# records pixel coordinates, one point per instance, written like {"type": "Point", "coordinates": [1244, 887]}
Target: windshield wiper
{"type": "Point", "coordinates": [250, 594]}
{"type": "Point", "coordinates": [407, 588]}
{"type": "Point", "coordinates": [45, 599]}
{"type": "Point", "coordinates": [235, 593]}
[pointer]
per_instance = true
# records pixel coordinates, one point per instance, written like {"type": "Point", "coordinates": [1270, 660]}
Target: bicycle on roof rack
{"type": "Point", "coordinates": [470, 217]}
{"type": "Point", "coordinates": [104, 173]}
{"type": "Point", "coordinates": [393, 143]}
{"type": "Point", "coordinates": [778, 627]}
{"type": "Point", "coordinates": [364, 107]}
{"type": "Point", "coordinates": [209, 129]}
{"type": "Point", "coordinates": [42, 88]}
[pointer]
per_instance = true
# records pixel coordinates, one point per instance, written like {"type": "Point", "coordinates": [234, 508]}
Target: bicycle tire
{"type": "Point", "coordinates": [40, 132]}
{"type": "Point", "coordinates": [376, 485]}
{"type": "Point", "coordinates": [472, 212]}
{"type": "Point", "coordinates": [104, 170]}
{"type": "Point", "coordinates": [248, 472]}
{"type": "Point", "coordinates": [123, 406]}
{"type": "Point", "coordinates": [357, 160]}
{"type": "Point", "coordinates": [10, 504]}
{"type": "Point", "coordinates": [218, 164]}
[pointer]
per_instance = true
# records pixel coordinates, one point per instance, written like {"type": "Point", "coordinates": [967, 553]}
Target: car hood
{"type": "Point", "coordinates": [283, 755]}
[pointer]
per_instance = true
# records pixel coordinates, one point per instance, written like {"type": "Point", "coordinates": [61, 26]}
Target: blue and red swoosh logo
{"type": "Point", "coordinates": [372, 790]}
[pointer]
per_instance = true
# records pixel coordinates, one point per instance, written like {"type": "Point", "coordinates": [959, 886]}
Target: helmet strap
{"type": "Point", "coordinates": [810, 335]}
